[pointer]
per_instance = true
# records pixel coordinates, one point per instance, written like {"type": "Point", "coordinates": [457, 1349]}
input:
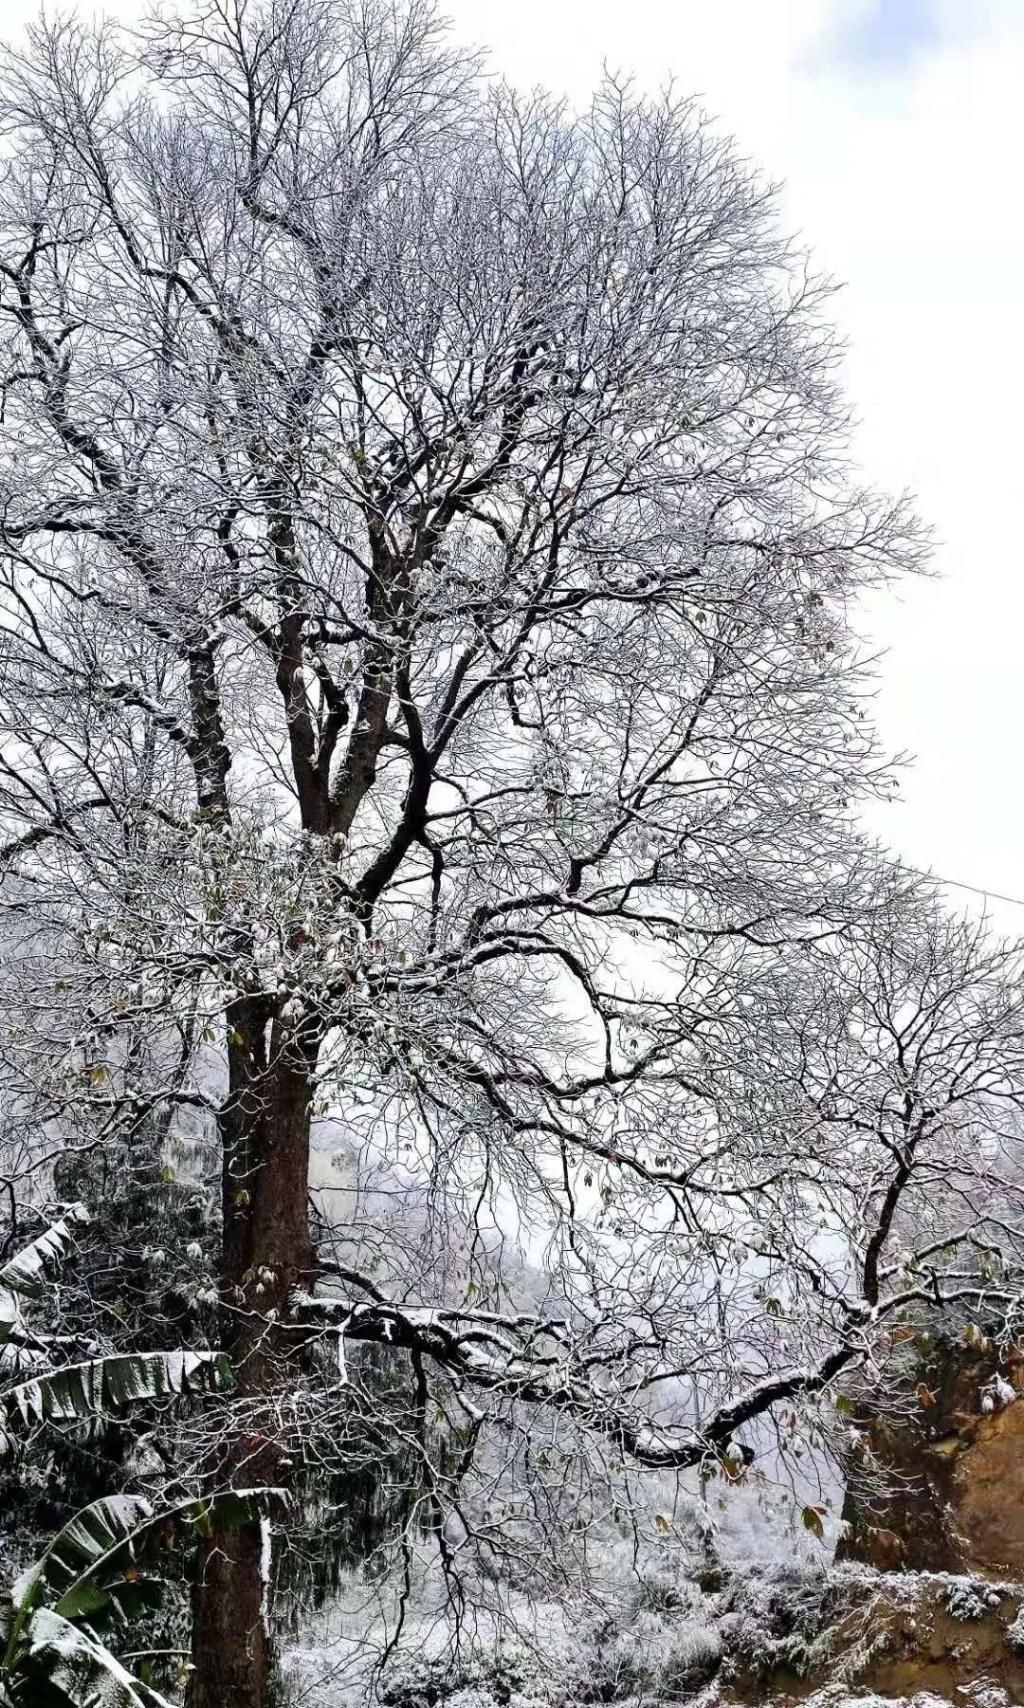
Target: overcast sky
{"type": "Point", "coordinates": [896, 126]}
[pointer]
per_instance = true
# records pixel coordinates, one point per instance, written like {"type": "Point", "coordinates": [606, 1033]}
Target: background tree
{"type": "Point", "coordinates": [428, 699]}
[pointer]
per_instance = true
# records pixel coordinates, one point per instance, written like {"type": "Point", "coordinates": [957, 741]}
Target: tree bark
{"type": "Point", "coordinates": [231, 1649]}
{"type": "Point", "coordinates": [266, 1256]}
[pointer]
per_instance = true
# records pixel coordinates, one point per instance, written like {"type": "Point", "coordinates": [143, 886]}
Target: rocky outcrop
{"type": "Point", "coordinates": [939, 1484]}
{"type": "Point", "coordinates": [854, 1632]}
{"type": "Point", "coordinates": [987, 1488]}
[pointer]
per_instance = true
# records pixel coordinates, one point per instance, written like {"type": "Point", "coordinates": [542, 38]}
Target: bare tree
{"type": "Point", "coordinates": [897, 1080]}
{"type": "Point", "coordinates": [428, 700]}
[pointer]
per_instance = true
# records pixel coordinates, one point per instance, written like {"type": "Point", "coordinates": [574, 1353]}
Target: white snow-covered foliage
{"type": "Point", "coordinates": [997, 1393]}
{"type": "Point", "coordinates": [970, 1599]}
{"type": "Point", "coordinates": [647, 1630]}
{"type": "Point", "coordinates": [22, 1275]}
{"type": "Point", "coordinates": [660, 1636]}
{"type": "Point", "coordinates": [840, 1696]}
{"type": "Point", "coordinates": [96, 1389]}
{"type": "Point", "coordinates": [27, 1270]}
{"type": "Point", "coordinates": [87, 1673]}
{"type": "Point", "coordinates": [983, 1692]}
{"type": "Point", "coordinates": [777, 1618]}
{"type": "Point", "coordinates": [100, 1571]}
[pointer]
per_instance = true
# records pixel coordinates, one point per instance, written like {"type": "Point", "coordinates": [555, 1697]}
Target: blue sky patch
{"type": "Point", "coordinates": [889, 36]}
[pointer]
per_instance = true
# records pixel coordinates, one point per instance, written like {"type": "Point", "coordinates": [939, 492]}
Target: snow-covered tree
{"type": "Point", "coordinates": [428, 701]}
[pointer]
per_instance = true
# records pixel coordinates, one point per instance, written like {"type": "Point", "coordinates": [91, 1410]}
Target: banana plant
{"type": "Point", "coordinates": [97, 1572]}
{"type": "Point", "coordinates": [86, 1391]}
{"type": "Point", "coordinates": [101, 1387]}
{"type": "Point", "coordinates": [22, 1278]}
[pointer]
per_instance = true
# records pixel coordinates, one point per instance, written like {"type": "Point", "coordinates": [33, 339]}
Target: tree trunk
{"type": "Point", "coordinates": [265, 1131]}
{"type": "Point", "coordinates": [231, 1649]}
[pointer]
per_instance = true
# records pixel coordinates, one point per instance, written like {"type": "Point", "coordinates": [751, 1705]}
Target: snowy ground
{"type": "Point", "coordinates": [842, 1637]}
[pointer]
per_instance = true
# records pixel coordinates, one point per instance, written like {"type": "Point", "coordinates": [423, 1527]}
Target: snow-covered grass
{"type": "Point", "coordinates": [654, 1636]}
{"type": "Point", "coordinates": [651, 1635]}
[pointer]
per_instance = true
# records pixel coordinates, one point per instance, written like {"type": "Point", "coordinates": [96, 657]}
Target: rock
{"type": "Point", "coordinates": [951, 1470]}
{"type": "Point", "coordinates": [987, 1495]}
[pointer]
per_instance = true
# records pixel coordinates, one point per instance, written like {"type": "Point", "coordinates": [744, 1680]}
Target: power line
{"type": "Point", "coordinates": [988, 895]}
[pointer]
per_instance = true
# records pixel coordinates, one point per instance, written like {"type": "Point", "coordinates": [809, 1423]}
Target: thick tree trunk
{"type": "Point", "coordinates": [231, 1649]}
{"type": "Point", "coordinates": [266, 1126]}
